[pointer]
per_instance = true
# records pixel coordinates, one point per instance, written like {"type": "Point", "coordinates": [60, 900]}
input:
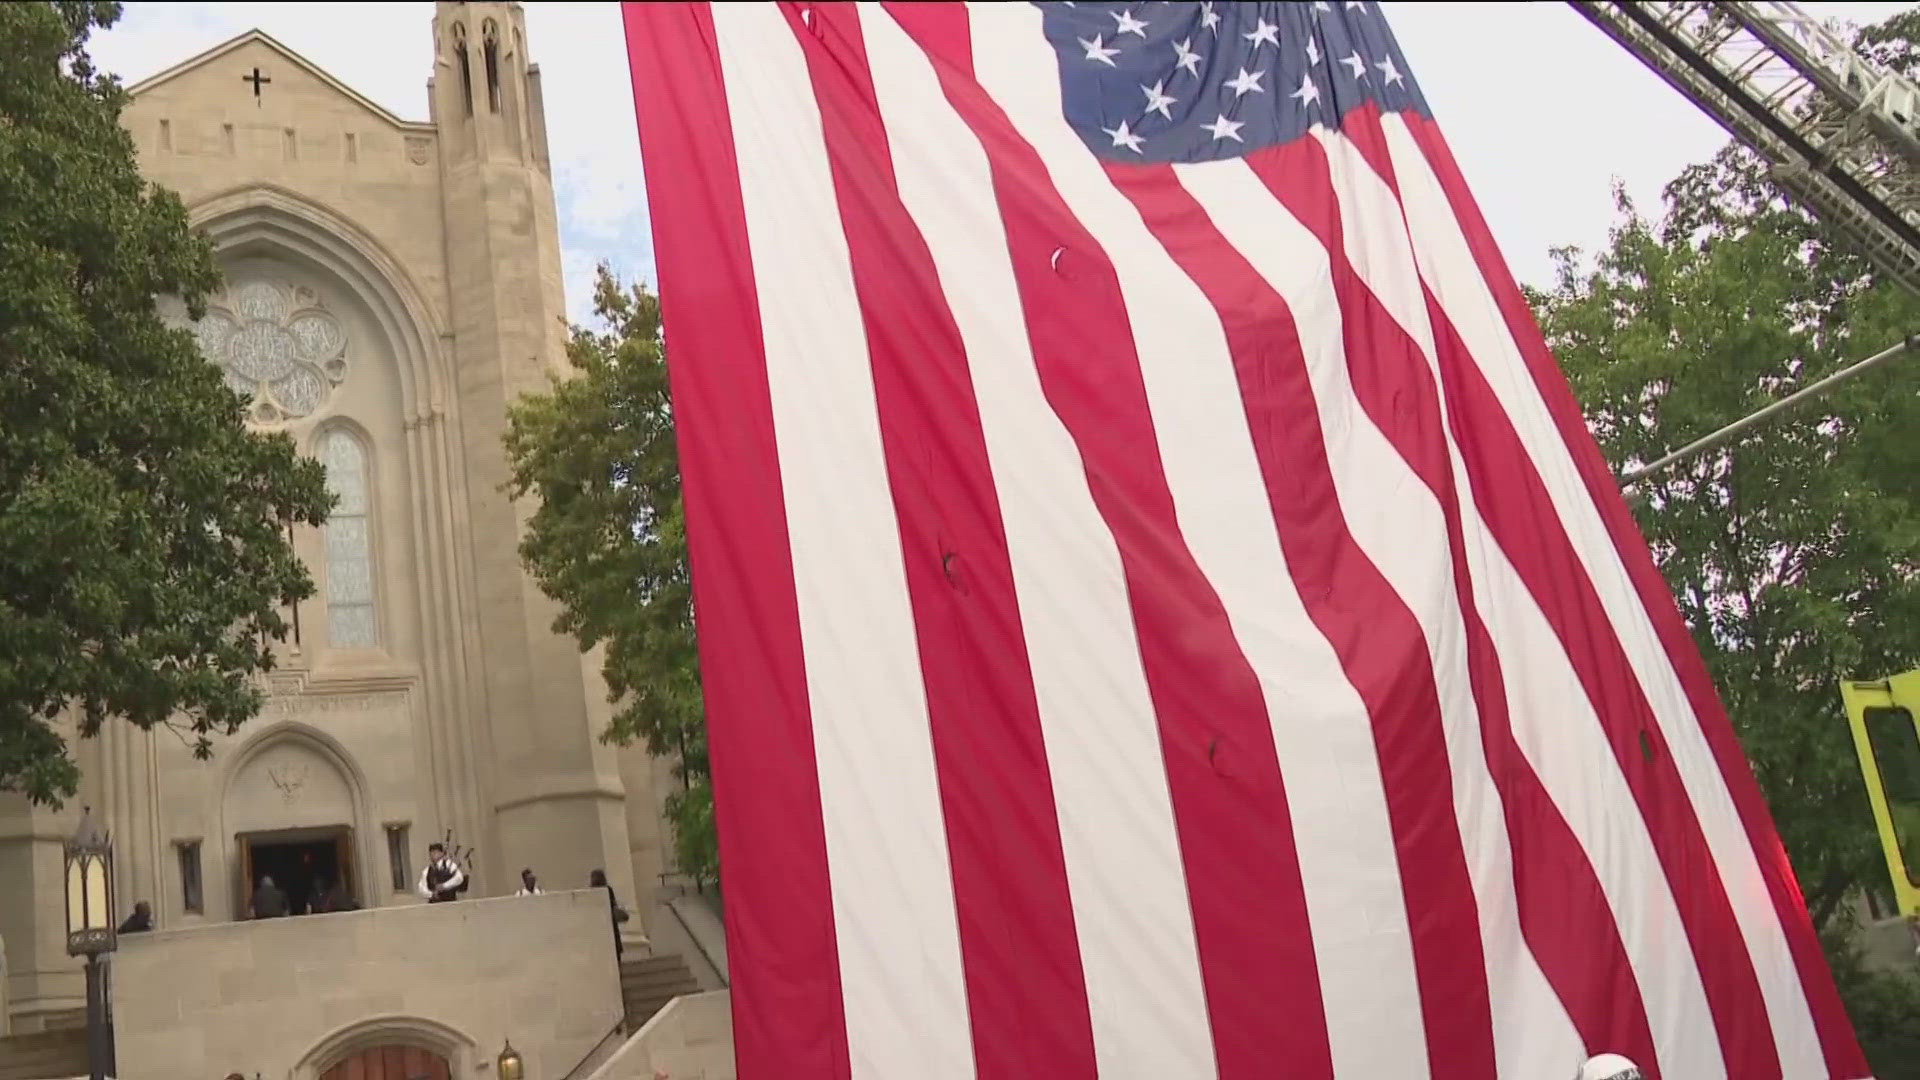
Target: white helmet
{"type": "Point", "coordinates": [1608, 1067]}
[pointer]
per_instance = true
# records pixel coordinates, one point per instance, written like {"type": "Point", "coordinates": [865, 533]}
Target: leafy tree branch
{"type": "Point", "coordinates": [144, 561]}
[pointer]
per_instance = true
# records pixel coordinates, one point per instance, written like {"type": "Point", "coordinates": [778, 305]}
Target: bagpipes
{"type": "Point", "coordinates": [462, 858]}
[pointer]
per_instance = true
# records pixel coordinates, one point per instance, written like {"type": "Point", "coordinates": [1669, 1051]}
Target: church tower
{"type": "Point", "coordinates": [553, 792]}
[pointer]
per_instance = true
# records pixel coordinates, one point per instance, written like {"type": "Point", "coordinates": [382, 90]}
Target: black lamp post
{"type": "Point", "coordinates": [90, 929]}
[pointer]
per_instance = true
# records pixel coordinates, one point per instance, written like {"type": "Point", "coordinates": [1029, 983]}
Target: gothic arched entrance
{"type": "Point", "coordinates": [391, 1062]}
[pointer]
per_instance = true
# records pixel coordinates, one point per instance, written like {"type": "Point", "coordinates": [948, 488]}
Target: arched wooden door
{"type": "Point", "coordinates": [390, 1063]}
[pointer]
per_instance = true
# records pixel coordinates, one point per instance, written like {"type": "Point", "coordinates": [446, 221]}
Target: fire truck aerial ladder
{"type": "Point", "coordinates": [1842, 136]}
{"type": "Point", "coordinates": [1841, 133]}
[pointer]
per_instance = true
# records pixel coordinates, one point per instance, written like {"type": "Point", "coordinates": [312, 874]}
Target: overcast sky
{"type": "Point", "coordinates": [1542, 110]}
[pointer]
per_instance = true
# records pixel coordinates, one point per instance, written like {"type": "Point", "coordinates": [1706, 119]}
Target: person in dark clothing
{"type": "Point", "coordinates": [140, 921]}
{"type": "Point", "coordinates": [598, 880]}
{"type": "Point", "coordinates": [441, 879]}
{"type": "Point", "coordinates": [268, 901]}
{"type": "Point", "coordinates": [328, 898]}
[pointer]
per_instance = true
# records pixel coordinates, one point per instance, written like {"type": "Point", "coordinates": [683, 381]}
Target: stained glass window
{"type": "Point", "coordinates": [277, 346]}
{"type": "Point", "coordinates": [350, 608]}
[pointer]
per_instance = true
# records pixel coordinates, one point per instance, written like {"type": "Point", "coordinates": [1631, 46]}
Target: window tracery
{"type": "Point", "coordinates": [276, 346]}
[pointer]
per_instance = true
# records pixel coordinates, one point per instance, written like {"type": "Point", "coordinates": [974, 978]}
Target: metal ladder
{"type": "Point", "coordinates": [1842, 134]}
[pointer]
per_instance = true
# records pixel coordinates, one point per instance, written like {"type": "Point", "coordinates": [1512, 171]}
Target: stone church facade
{"type": "Point", "coordinates": [391, 286]}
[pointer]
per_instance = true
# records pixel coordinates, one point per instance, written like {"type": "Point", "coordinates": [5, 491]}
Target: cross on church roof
{"type": "Point", "coordinates": [256, 79]}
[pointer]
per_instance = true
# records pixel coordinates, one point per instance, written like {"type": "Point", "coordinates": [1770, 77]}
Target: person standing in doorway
{"type": "Point", "coordinates": [442, 878]}
{"type": "Point", "coordinates": [268, 901]}
{"type": "Point", "coordinates": [528, 885]}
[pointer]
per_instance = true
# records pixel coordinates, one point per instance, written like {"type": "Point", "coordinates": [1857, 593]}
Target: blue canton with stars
{"type": "Point", "coordinates": [1185, 82]}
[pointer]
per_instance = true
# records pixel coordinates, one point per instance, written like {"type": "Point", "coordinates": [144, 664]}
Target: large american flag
{"type": "Point", "coordinates": [1161, 612]}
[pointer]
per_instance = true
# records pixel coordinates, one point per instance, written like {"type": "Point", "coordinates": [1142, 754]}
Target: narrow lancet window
{"type": "Point", "coordinates": [490, 52]}
{"type": "Point", "coordinates": [466, 66]}
{"type": "Point", "coordinates": [350, 602]}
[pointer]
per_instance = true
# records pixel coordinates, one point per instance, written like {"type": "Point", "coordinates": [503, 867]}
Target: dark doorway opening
{"type": "Point", "coordinates": [312, 867]}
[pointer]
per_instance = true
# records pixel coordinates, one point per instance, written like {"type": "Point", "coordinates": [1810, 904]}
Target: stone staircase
{"type": "Point", "coordinates": [59, 1051]}
{"type": "Point", "coordinates": [647, 983]}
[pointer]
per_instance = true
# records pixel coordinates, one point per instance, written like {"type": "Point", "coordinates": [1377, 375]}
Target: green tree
{"type": "Point", "coordinates": [608, 541]}
{"type": "Point", "coordinates": [143, 554]}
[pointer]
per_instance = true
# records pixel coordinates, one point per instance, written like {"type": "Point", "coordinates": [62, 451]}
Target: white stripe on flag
{"type": "Point", "coordinates": [1552, 718]}
{"type": "Point", "coordinates": [899, 943]}
{"type": "Point", "coordinates": [1397, 522]}
{"type": "Point", "coordinates": [1451, 272]}
{"type": "Point", "coordinates": [1103, 744]}
{"type": "Point", "coordinates": [1343, 839]}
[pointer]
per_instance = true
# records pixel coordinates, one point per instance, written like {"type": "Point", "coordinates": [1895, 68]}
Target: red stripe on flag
{"type": "Point", "coordinates": [1369, 626]}
{"type": "Point", "coordinates": [1249, 910]}
{"type": "Point", "coordinates": [787, 1011]}
{"type": "Point", "coordinates": [1520, 515]}
{"type": "Point", "coordinates": [1026, 993]}
{"type": "Point", "coordinates": [1841, 1049]}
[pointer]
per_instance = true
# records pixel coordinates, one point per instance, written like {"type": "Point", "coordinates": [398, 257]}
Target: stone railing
{"type": "Point", "coordinates": [690, 1039]}
{"type": "Point", "coordinates": [292, 997]}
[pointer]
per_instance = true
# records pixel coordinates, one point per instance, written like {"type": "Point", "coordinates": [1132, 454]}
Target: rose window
{"type": "Point", "coordinates": [276, 347]}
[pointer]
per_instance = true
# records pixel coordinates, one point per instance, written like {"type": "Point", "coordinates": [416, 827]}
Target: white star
{"type": "Point", "coordinates": [1157, 99]}
{"type": "Point", "coordinates": [1208, 18]}
{"type": "Point", "coordinates": [1223, 128]}
{"type": "Point", "coordinates": [1308, 93]}
{"type": "Point", "coordinates": [1358, 65]}
{"type": "Point", "coordinates": [1123, 137]}
{"type": "Point", "coordinates": [1246, 82]}
{"type": "Point", "coordinates": [1387, 69]}
{"type": "Point", "coordinates": [1356, 5]}
{"type": "Point", "coordinates": [1313, 52]}
{"type": "Point", "coordinates": [1096, 52]}
{"type": "Point", "coordinates": [1263, 31]}
{"type": "Point", "coordinates": [1128, 24]}
{"type": "Point", "coordinates": [1322, 5]}
{"type": "Point", "coordinates": [1185, 57]}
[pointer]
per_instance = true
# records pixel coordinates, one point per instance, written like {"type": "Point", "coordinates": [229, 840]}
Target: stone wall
{"type": "Point", "coordinates": [290, 997]}
{"type": "Point", "coordinates": [690, 1039]}
{"type": "Point", "coordinates": [1891, 945]}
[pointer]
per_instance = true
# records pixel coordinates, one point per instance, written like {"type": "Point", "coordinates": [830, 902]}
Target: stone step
{"type": "Point", "coordinates": [658, 962]}
{"type": "Point", "coordinates": [65, 1020]}
{"type": "Point", "coordinates": [648, 983]}
{"type": "Point", "coordinates": [44, 1055]}
{"type": "Point", "coordinates": [655, 978]}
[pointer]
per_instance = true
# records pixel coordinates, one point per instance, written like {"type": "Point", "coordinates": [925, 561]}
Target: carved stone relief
{"type": "Point", "coordinates": [289, 779]}
{"type": "Point", "coordinates": [310, 704]}
{"type": "Point", "coordinates": [288, 785]}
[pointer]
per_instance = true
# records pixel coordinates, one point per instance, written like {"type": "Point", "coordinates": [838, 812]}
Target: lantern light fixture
{"type": "Point", "coordinates": [509, 1066]}
{"type": "Point", "coordinates": [89, 859]}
